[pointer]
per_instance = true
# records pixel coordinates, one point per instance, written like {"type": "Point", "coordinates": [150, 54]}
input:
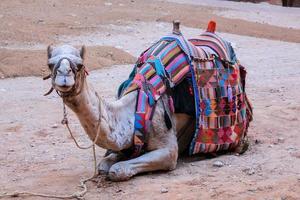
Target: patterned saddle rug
{"type": "Point", "coordinates": [216, 85]}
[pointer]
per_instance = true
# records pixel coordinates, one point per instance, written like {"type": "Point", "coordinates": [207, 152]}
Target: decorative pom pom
{"type": "Point", "coordinates": [211, 26]}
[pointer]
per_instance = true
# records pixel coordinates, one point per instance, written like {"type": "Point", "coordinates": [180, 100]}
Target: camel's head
{"type": "Point", "coordinates": [66, 65]}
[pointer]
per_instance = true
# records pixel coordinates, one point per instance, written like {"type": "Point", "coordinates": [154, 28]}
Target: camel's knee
{"type": "Point", "coordinates": [120, 172]}
{"type": "Point", "coordinates": [106, 163]}
{"type": "Point", "coordinates": [169, 159]}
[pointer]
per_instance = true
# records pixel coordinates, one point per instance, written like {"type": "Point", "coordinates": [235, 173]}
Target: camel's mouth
{"type": "Point", "coordinates": [63, 88]}
{"type": "Point", "coordinates": [63, 83]}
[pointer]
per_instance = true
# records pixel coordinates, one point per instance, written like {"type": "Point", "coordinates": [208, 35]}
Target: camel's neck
{"type": "Point", "coordinates": [116, 118]}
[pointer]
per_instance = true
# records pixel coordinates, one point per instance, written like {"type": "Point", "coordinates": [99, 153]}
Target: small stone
{"type": "Point", "coordinates": [218, 163]}
{"type": "Point", "coordinates": [249, 171]}
{"type": "Point", "coordinates": [40, 21]}
{"type": "Point", "coordinates": [54, 126]}
{"type": "Point", "coordinates": [252, 190]}
{"type": "Point", "coordinates": [291, 148]}
{"type": "Point", "coordinates": [107, 4]}
{"type": "Point", "coordinates": [119, 47]}
{"type": "Point", "coordinates": [164, 190]}
{"type": "Point", "coordinates": [258, 141]}
{"type": "Point", "coordinates": [260, 174]}
{"type": "Point", "coordinates": [280, 140]}
{"type": "Point", "coordinates": [270, 146]}
{"type": "Point", "coordinates": [130, 30]}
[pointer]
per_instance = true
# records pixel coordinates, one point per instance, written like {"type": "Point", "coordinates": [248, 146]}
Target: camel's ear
{"type": "Point", "coordinates": [82, 52]}
{"type": "Point", "coordinates": [49, 51]}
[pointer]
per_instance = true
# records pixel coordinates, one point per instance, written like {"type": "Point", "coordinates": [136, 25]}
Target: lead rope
{"type": "Point", "coordinates": [79, 194]}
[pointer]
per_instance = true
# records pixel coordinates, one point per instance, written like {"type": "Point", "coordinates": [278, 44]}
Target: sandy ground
{"type": "Point", "coordinates": [38, 155]}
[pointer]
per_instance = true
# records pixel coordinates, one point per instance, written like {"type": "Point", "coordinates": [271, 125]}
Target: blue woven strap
{"type": "Point", "coordinates": [186, 48]}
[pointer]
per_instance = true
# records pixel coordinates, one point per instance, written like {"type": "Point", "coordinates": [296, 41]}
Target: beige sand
{"type": "Point", "coordinates": [38, 155]}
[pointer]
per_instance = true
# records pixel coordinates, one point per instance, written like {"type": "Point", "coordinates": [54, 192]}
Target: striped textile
{"type": "Point", "coordinates": [223, 121]}
{"type": "Point", "coordinates": [209, 61]}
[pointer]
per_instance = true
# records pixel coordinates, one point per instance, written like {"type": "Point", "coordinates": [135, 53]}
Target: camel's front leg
{"type": "Point", "coordinates": [160, 159]}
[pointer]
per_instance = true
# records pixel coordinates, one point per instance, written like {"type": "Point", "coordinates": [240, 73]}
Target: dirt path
{"type": "Point", "coordinates": [29, 27]}
{"type": "Point", "coordinates": [37, 154]}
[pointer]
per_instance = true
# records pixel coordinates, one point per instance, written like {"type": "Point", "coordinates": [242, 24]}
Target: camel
{"type": "Point", "coordinates": [115, 120]}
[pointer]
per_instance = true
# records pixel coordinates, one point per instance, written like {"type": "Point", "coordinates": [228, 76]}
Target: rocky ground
{"type": "Point", "coordinates": [38, 155]}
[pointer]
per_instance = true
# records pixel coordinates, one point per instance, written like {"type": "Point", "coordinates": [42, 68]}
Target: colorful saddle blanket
{"type": "Point", "coordinates": [222, 110]}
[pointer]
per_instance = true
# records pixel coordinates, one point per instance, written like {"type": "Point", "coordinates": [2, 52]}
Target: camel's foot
{"type": "Point", "coordinates": [120, 172]}
{"type": "Point", "coordinates": [108, 161]}
{"type": "Point", "coordinates": [243, 146]}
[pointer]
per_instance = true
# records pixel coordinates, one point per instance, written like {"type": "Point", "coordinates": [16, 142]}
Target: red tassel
{"type": "Point", "coordinates": [211, 26]}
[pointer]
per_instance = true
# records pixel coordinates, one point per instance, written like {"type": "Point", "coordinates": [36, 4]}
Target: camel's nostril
{"type": "Point", "coordinates": [64, 71]}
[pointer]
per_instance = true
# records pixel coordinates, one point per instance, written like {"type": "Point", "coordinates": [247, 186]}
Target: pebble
{"type": "Point", "coordinates": [119, 47]}
{"type": "Point", "coordinates": [218, 163]}
{"type": "Point", "coordinates": [130, 30]}
{"type": "Point", "coordinates": [107, 4]}
{"type": "Point", "coordinates": [280, 140]}
{"type": "Point", "coordinates": [40, 21]}
{"type": "Point", "coordinates": [164, 190]}
{"type": "Point", "coordinates": [252, 190]}
{"type": "Point", "coordinates": [291, 148]}
{"type": "Point", "coordinates": [249, 171]}
{"type": "Point", "coordinates": [257, 141]}
{"type": "Point", "coordinates": [54, 126]}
